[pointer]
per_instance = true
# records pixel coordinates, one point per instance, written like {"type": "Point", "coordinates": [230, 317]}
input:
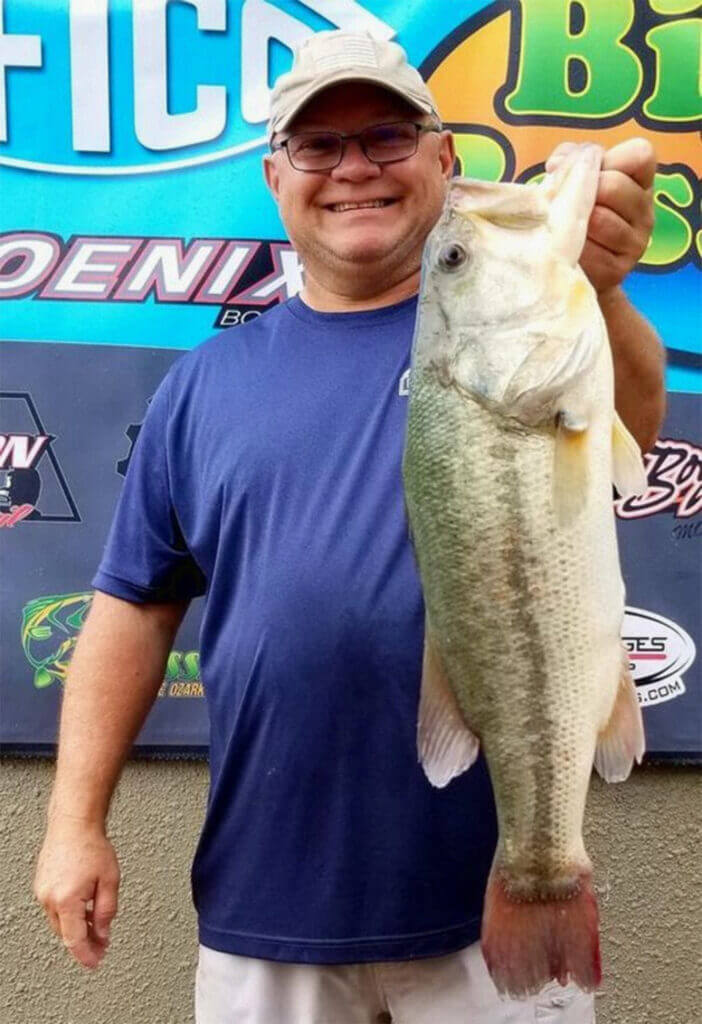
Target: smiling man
{"type": "Point", "coordinates": [333, 884]}
{"type": "Point", "coordinates": [360, 225]}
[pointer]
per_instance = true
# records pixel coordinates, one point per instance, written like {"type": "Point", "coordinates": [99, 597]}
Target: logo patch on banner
{"type": "Point", "coordinates": [33, 486]}
{"type": "Point", "coordinates": [50, 628]}
{"type": "Point", "coordinates": [659, 652]}
{"type": "Point", "coordinates": [674, 472]}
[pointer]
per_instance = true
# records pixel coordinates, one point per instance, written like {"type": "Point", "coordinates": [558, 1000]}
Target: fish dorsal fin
{"type": "Point", "coordinates": [622, 741]}
{"type": "Point", "coordinates": [446, 747]}
{"type": "Point", "coordinates": [571, 191]}
{"type": "Point", "coordinates": [628, 471]}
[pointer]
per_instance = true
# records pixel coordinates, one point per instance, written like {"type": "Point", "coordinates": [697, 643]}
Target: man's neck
{"type": "Point", "coordinates": [355, 298]}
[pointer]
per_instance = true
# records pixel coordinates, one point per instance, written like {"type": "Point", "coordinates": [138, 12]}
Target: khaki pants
{"type": "Point", "coordinates": [454, 989]}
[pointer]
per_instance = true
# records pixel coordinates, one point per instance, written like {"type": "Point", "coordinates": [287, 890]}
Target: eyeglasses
{"type": "Point", "coordinates": [380, 143]}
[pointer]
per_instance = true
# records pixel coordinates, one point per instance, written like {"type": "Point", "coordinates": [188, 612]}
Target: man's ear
{"type": "Point", "coordinates": [271, 175]}
{"type": "Point", "coordinates": [447, 154]}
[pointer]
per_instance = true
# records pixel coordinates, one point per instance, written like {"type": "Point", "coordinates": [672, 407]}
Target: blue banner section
{"type": "Point", "coordinates": [135, 222]}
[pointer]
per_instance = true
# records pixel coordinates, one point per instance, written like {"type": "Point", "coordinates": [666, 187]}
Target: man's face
{"type": "Point", "coordinates": [384, 238]}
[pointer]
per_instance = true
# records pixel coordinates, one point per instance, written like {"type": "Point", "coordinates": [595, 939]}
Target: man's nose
{"type": "Point", "coordinates": [355, 165]}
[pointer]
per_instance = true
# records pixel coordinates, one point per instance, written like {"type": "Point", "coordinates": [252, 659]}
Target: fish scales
{"type": "Point", "coordinates": [512, 444]}
{"type": "Point", "coordinates": [485, 530]}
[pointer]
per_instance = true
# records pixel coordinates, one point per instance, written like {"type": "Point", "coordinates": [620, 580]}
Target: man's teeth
{"type": "Point", "coordinates": [340, 207]}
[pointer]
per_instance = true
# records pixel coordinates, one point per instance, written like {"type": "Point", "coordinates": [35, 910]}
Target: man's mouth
{"type": "Point", "coordinates": [368, 204]}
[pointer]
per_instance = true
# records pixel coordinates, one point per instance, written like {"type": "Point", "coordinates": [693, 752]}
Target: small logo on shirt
{"type": "Point", "coordinates": [403, 387]}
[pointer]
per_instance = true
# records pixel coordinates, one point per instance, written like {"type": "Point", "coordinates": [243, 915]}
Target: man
{"type": "Point", "coordinates": [332, 882]}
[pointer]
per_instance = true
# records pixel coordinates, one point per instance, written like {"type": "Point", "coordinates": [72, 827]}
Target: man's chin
{"type": "Point", "coordinates": [372, 250]}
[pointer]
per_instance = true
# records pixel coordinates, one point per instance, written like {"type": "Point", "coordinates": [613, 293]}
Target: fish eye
{"type": "Point", "coordinates": [452, 256]}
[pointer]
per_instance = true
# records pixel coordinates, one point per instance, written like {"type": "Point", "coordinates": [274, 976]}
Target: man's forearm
{"type": "Point", "coordinates": [113, 679]}
{"type": "Point", "coordinates": [639, 367]}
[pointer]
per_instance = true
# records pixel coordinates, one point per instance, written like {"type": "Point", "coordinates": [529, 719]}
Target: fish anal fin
{"type": "Point", "coordinates": [446, 747]}
{"type": "Point", "coordinates": [570, 469]}
{"type": "Point", "coordinates": [622, 741]}
{"type": "Point", "coordinates": [628, 472]}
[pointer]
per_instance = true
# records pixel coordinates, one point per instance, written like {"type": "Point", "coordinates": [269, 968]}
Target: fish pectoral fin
{"type": "Point", "coordinates": [570, 468]}
{"type": "Point", "coordinates": [446, 747]}
{"type": "Point", "coordinates": [628, 471]}
{"type": "Point", "coordinates": [622, 740]}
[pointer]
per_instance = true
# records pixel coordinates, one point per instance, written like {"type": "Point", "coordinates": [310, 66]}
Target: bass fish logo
{"type": "Point", "coordinates": [50, 628]}
{"type": "Point", "coordinates": [659, 652]}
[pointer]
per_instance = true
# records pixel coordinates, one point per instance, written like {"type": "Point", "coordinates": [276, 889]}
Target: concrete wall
{"type": "Point", "coordinates": [643, 836]}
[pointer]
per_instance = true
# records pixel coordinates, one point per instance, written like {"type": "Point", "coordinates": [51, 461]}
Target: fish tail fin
{"type": "Point", "coordinates": [527, 943]}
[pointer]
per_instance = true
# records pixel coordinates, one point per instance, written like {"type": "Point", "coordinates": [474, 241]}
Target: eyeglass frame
{"type": "Point", "coordinates": [356, 135]}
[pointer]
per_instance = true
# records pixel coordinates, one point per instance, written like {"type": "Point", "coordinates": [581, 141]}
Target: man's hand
{"type": "Point", "coordinates": [76, 882]}
{"type": "Point", "coordinates": [622, 219]}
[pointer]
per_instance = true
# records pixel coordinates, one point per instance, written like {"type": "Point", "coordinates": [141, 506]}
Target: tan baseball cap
{"type": "Point", "coordinates": [327, 58]}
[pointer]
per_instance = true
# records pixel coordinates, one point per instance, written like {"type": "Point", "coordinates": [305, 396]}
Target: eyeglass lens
{"type": "Point", "coordinates": [381, 143]}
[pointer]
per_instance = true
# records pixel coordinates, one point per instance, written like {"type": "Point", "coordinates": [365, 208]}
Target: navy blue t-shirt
{"type": "Point", "coordinates": [267, 474]}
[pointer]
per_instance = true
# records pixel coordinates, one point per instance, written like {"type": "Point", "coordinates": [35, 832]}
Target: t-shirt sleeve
{"type": "Point", "coordinates": [146, 557]}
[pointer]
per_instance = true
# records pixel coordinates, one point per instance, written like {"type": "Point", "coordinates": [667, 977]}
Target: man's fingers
{"type": "Point", "coordinates": [626, 198]}
{"type": "Point", "coordinates": [75, 935]}
{"type": "Point", "coordinates": [104, 907]}
{"type": "Point", "coordinates": [74, 929]}
{"type": "Point", "coordinates": [611, 231]}
{"type": "Point", "coordinates": [604, 268]}
{"type": "Point", "coordinates": [634, 157]}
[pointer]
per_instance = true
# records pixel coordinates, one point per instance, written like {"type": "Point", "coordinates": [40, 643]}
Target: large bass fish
{"type": "Point", "coordinates": [512, 447]}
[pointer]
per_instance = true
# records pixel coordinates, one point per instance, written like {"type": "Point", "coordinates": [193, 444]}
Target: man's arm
{"type": "Point", "coordinates": [639, 368]}
{"type": "Point", "coordinates": [113, 679]}
{"type": "Point", "coordinates": [618, 233]}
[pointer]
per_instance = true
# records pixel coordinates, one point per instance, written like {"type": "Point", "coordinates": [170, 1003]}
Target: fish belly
{"type": "Point", "coordinates": [525, 614]}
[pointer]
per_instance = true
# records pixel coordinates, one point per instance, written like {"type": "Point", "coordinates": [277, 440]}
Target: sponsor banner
{"type": "Point", "coordinates": [66, 436]}
{"type": "Point", "coordinates": [660, 538]}
{"type": "Point", "coordinates": [137, 223]}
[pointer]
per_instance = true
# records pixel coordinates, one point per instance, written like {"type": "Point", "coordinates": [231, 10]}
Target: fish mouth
{"type": "Point", "coordinates": [361, 204]}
